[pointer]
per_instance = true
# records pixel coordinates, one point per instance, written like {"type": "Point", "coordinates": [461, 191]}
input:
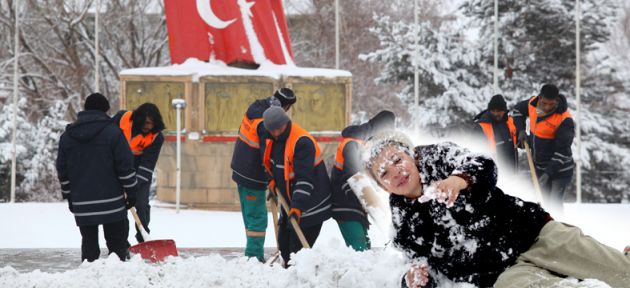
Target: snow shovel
{"type": "Point", "coordinates": [378, 210]}
{"type": "Point", "coordinates": [294, 223]}
{"type": "Point", "coordinates": [152, 250]}
{"type": "Point", "coordinates": [273, 203]}
{"type": "Point", "coordinates": [532, 172]}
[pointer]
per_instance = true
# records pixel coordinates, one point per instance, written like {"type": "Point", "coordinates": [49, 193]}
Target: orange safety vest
{"type": "Point", "coordinates": [296, 133]}
{"type": "Point", "coordinates": [248, 133]}
{"type": "Point", "coordinates": [545, 129]}
{"type": "Point", "coordinates": [138, 143]}
{"type": "Point", "coordinates": [489, 132]}
{"type": "Point", "coordinates": [339, 160]}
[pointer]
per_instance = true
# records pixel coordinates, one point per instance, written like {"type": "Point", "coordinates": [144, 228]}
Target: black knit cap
{"type": "Point", "coordinates": [286, 96]}
{"type": "Point", "coordinates": [549, 91]}
{"type": "Point", "coordinates": [497, 103]}
{"type": "Point", "coordinates": [96, 101]}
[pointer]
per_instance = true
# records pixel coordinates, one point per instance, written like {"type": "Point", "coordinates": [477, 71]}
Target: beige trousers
{"type": "Point", "coordinates": [562, 250]}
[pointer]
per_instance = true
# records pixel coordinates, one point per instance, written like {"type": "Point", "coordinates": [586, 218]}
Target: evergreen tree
{"type": "Point", "coordinates": [452, 89]}
{"type": "Point", "coordinates": [536, 46]}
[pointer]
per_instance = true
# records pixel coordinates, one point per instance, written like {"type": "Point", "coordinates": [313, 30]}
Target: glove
{"type": "Point", "coordinates": [70, 204]}
{"type": "Point", "coordinates": [295, 213]}
{"type": "Point", "coordinates": [130, 201]}
{"type": "Point", "coordinates": [543, 179]}
{"type": "Point", "coordinates": [522, 137]}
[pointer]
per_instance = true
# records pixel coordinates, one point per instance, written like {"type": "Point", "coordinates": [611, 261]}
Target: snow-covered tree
{"type": "Point", "coordinates": [56, 71]}
{"type": "Point", "coordinates": [536, 45]}
{"type": "Point", "coordinates": [452, 88]}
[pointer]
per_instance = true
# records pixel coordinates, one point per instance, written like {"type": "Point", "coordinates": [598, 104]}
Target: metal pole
{"type": "Point", "coordinates": [578, 166]}
{"type": "Point", "coordinates": [178, 165]}
{"type": "Point", "coordinates": [96, 53]}
{"type": "Point", "coordinates": [178, 104]}
{"type": "Point", "coordinates": [416, 77]}
{"type": "Point", "coordinates": [336, 34]}
{"type": "Point", "coordinates": [15, 98]}
{"type": "Point", "coordinates": [495, 84]}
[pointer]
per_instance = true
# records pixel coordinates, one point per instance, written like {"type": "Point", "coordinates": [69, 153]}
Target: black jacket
{"type": "Point", "coordinates": [144, 163]}
{"type": "Point", "coordinates": [247, 167]}
{"type": "Point", "coordinates": [481, 235]}
{"type": "Point", "coordinates": [94, 167]}
{"type": "Point", "coordinates": [346, 205]}
{"type": "Point", "coordinates": [506, 148]}
{"type": "Point", "coordinates": [551, 156]}
{"type": "Point", "coordinates": [311, 191]}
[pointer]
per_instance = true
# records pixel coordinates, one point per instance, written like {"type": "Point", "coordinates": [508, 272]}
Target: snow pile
{"type": "Point", "coordinates": [328, 265]}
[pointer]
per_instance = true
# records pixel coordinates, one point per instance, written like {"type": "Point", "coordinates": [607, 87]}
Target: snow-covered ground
{"type": "Point", "coordinates": [328, 264]}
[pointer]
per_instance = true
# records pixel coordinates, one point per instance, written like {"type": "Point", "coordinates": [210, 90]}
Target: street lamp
{"type": "Point", "coordinates": [179, 105]}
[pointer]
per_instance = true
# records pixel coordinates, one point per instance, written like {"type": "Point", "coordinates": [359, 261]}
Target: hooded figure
{"type": "Point", "coordinates": [95, 169]}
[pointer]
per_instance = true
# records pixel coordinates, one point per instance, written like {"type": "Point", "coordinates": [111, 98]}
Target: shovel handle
{"type": "Point", "coordinates": [532, 172]}
{"type": "Point", "coordinates": [144, 233]}
{"type": "Point", "coordinates": [274, 213]}
{"type": "Point", "coordinates": [294, 223]}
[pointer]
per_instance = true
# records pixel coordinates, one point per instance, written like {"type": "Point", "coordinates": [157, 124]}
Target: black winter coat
{"type": "Point", "coordinates": [94, 167]}
{"type": "Point", "coordinates": [346, 205]}
{"type": "Point", "coordinates": [247, 167]}
{"type": "Point", "coordinates": [506, 148]}
{"type": "Point", "coordinates": [481, 235]}
{"type": "Point", "coordinates": [310, 188]}
{"type": "Point", "coordinates": [551, 156]}
{"type": "Point", "coordinates": [144, 163]}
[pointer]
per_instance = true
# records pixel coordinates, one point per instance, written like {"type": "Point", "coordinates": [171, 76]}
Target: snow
{"type": "Point", "coordinates": [328, 264]}
{"type": "Point", "coordinates": [196, 69]}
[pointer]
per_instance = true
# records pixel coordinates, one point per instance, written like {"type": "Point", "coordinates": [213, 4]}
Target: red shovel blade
{"type": "Point", "coordinates": [155, 250]}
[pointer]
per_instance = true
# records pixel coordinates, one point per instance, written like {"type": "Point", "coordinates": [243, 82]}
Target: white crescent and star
{"type": "Point", "coordinates": [205, 11]}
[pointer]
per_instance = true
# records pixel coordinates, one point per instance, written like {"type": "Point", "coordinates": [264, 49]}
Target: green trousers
{"type": "Point", "coordinates": [560, 250]}
{"type": "Point", "coordinates": [355, 235]}
{"type": "Point", "coordinates": [254, 211]}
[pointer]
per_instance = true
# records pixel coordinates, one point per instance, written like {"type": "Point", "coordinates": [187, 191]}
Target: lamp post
{"type": "Point", "coordinates": [179, 105]}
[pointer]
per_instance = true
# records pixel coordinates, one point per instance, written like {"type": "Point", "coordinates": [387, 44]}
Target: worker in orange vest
{"type": "Point", "coordinates": [249, 173]}
{"type": "Point", "coordinates": [295, 164]}
{"type": "Point", "coordinates": [142, 128]}
{"type": "Point", "coordinates": [551, 133]}
{"type": "Point", "coordinates": [498, 128]}
{"type": "Point", "coordinates": [347, 210]}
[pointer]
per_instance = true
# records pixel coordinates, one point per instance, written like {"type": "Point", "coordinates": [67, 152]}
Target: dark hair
{"type": "Point", "coordinates": [142, 112]}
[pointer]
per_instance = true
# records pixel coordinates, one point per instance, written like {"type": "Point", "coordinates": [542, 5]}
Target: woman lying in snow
{"type": "Point", "coordinates": [446, 207]}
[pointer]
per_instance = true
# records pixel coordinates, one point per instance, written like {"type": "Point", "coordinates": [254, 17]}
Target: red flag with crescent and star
{"type": "Point", "coordinates": [246, 31]}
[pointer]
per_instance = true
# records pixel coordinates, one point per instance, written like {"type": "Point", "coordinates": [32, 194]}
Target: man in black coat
{"type": "Point", "coordinates": [95, 169]}
{"type": "Point", "coordinates": [294, 162]}
{"type": "Point", "coordinates": [248, 171]}
{"type": "Point", "coordinates": [347, 210]}
{"type": "Point", "coordinates": [142, 128]}
{"type": "Point", "coordinates": [552, 131]}
{"type": "Point", "coordinates": [498, 129]}
{"type": "Point", "coordinates": [448, 213]}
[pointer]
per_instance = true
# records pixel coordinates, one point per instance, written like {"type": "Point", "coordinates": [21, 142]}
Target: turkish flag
{"type": "Point", "coordinates": [228, 30]}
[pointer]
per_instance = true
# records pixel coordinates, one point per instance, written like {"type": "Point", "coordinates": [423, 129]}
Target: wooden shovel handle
{"type": "Point", "coordinates": [293, 222]}
{"type": "Point", "coordinates": [532, 172]}
{"type": "Point", "coordinates": [144, 233]}
{"type": "Point", "coordinates": [274, 213]}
